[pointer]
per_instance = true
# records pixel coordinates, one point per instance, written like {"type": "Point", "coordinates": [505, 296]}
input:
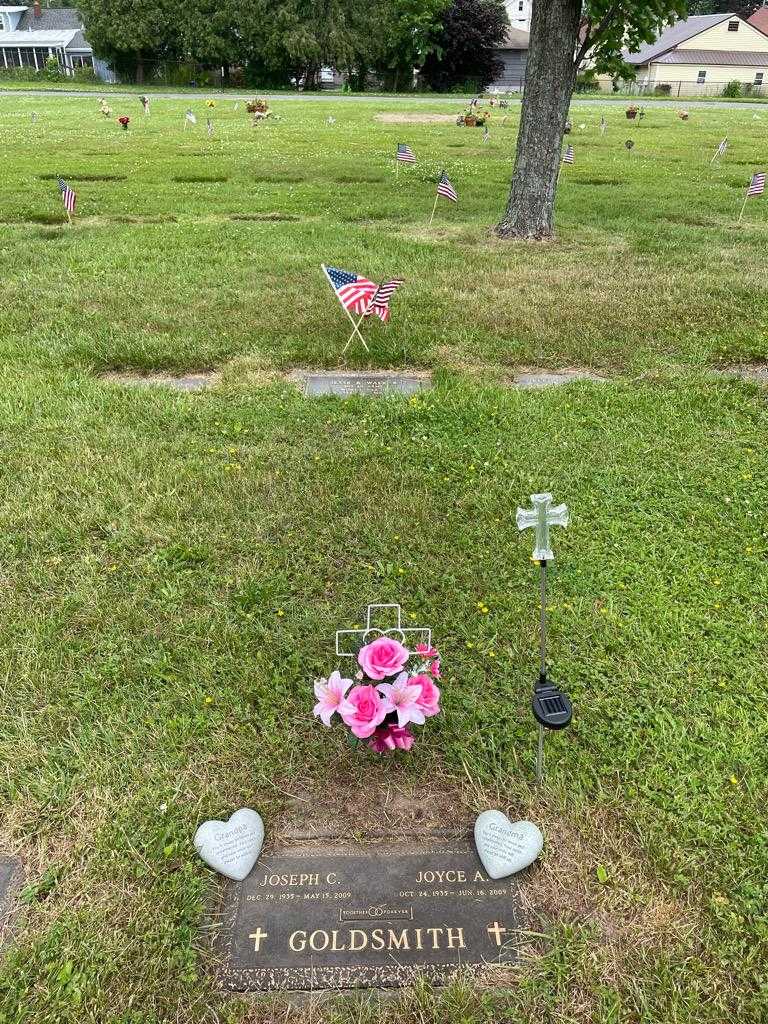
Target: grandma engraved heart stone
{"type": "Point", "coordinates": [506, 847]}
{"type": "Point", "coordinates": [231, 847]}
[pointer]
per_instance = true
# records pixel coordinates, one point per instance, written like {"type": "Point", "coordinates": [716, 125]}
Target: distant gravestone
{"type": "Point", "coordinates": [10, 874]}
{"type": "Point", "coordinates": [532, 379]}
{"type": "Point", "coordinates": [371, 384]}
{"type": "Point", "coordinates": [365, 917]}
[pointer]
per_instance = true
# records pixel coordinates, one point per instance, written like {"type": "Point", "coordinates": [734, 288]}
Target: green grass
{"type": "Point", "coordinates": [174, 566]}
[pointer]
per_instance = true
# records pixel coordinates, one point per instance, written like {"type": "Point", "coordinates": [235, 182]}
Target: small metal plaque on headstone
{"type": "Point", "coordinates": [365, 917]}
{"type": "Point", "coordinates": [372, 384]}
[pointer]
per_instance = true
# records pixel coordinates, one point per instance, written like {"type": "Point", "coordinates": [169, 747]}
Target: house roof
{"type": "Point", "coordinates": [742, 58]}
{"type": "Point", "coordinates": [759, 20]}
{"type": "Point", "coordinates": [52, 19]}
{"type": "Point", "coordinates": [37, 38]}
{"type": "Point", "coordinates": [516, 39]}
{"type": "Point", "coordinates": [673, 36]}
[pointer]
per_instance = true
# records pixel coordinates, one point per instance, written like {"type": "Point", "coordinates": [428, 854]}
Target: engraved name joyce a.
{"type": "Point", "coordinates": [450, 876]}
{"type": "Point", "coordinates": [376, 939]}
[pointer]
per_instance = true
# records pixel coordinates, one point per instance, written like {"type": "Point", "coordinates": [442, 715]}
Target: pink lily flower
{"type": "Point", "coordinates": [426, 651]}
{"type": "Point", "coordinates": [434, 668]}
{"type": "Point", "coordinates": [403, 697]}
{"type": "Point", "coordinates": [331, 697]}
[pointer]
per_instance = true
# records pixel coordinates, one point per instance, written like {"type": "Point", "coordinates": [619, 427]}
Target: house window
{"type": "Point", "coordinates": [733, 26]}
{"type": "Point", "coordinates": [702, 78]}
{"type": "Point", "coordinates": [759, 77]}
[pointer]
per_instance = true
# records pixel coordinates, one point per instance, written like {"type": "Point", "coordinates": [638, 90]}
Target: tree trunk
{"type": "Point", "coordinates": [549, 82]}
{"type": "Point", "coordinates": [139, 69]}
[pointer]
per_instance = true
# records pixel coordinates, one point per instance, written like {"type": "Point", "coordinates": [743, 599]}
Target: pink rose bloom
{"type": "Point", "coordinates": [330, 695]}
{"type": "Point", "coordinates": [426, 651]}
{"type": "Point", "coordinates": [402, 697]}
{"type": "Point", "coordinates": [384, 657]}
{"type": "Point", "coordinates": [428, 700]}
{"type": "Point", "coordinates": [391, 737]}
{"type": "Point", "coordinates": [366, 712]}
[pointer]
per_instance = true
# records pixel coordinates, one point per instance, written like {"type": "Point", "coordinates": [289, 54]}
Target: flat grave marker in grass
{"type": "Point", "coordinates": [10, 873]}
{"type": "Point", "coordinates": [532, 379]}
{"type": "Point", "coordinates": [365, 917]}
{"type": "Point", "coordinates": [372, 384]}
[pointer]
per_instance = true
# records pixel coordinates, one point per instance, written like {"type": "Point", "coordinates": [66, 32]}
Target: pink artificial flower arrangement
{"type": "Point", "coordinates": [389, 697]}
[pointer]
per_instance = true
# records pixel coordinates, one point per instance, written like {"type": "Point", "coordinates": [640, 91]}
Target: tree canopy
{"type": "Point", "coordinates": [464, 49]}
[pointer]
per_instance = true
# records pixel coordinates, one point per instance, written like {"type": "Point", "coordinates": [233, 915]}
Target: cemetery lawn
{"type": "Point", "coordinates": [173, 566]}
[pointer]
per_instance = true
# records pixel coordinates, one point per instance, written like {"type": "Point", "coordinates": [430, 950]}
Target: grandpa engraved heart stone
{"type": "Point", "coordinates": [231, 847]}
{"type": "Point", "coordinates": [506, 847]}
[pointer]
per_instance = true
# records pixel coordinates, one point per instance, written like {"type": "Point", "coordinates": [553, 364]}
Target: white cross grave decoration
{"type": "Point", "coordinates": [376, 625]}
{"type": "Point", "coordinates": [540, 518]}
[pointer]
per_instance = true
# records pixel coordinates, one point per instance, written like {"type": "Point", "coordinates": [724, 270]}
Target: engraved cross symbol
{"type": "Point", "coordinates": [257, 936]}
{"type": "Point", "coordinates": [381, 620]}
{"type": "Point", "coordinates": [541, 517]}
{"type": "Point", "coordinates": [497, 932]}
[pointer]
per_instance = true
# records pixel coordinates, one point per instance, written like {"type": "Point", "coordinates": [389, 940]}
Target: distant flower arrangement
{"type": "Point", "coordinates": [210, 104]}
{"type": "Point", "coordinates": [104, 108]}
{"type": "Point", "coordinates": [388, 698]}
{"type": "Point", "coordinates": [124, 121]}
{"type": "Point", "coordinates": [474, 118]}
{"type": "Point", "coordinates": [683, 115]}
{"type": "Point", "coordinates": [259, 109]}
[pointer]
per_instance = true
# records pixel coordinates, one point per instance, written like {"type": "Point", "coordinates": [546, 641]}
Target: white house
{"type": "Point", "coordinates": [30, 35]}
{"type": "Point", "coordinates": [519, 14]}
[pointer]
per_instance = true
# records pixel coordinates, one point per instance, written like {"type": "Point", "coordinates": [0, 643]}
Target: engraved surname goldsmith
{"type": "Point", "coordinates": [355, 940]}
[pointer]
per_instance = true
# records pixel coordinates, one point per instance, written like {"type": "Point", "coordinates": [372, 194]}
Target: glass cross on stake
{"type": "Point", "coordinates": [541, 517]}
{"type": "Point", "coordinates": [381, 620]}
{"type": "Point", "coordinates": [552, 708]}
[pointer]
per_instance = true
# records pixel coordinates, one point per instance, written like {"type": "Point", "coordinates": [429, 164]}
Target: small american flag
{"type": "Point", "coordinates": [568, 156]}
{"type": "Point", "coordinates": [486, 134]}
{"type": "Point", "coordinates": [757, 185]}
{"type": "Point", "coordinates": [603, 124]}
{"type": "Point", "coordinates": [723, 147]}
{"type": "Point", "coordinates": [405, 154]}
{"type": "Point", "coordinates": [189, 116]}
{"type": "Point", "coordinates": [379, 305]}
{"type": "Point", "coordinates": [68, 196]}
{"type": "Point", "coordinates": [209, 127]}
{"type": "Point", "coordinates": [446, 189]}
{"type": "Point", "coordinates": [353, 292]}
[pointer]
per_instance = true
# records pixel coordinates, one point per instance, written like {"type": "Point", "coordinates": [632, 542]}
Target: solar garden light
{"type": "Point", "coordinates": [552, 708]}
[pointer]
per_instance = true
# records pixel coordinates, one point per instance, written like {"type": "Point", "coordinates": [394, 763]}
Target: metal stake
{"type": "Point", "coordinates": [542, 660]}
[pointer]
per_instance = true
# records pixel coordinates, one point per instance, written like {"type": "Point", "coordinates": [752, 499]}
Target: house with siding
{"type": "Point", "coordinates": [30, 35]}
{"type": "Point", "coordinates": [701, 55]}
{"type": "Point", "coordinates": [514, 55]}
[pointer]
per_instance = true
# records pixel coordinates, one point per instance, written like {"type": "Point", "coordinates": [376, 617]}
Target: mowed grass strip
{"type": "Point", "coordinates": [174, 566]}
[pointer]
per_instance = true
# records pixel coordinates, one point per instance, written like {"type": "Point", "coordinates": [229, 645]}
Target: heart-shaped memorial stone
{"type": "Point", "coordinates": [231, 847]}
{"type": "Point", "coordinates": [506, 847]}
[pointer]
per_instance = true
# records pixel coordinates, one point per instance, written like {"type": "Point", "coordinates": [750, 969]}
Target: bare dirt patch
{"type": "Point", "coordinates": [757, 372]}
{"type": "Point", "coordinates": [416, 118]}
{"type": "Point", "coordinates": [197, 381]}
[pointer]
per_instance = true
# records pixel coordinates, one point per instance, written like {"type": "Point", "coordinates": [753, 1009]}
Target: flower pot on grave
{"type": "Point", "coordinates": [631, 115]}
{"type": "Point", "coordinates": [470, 121]}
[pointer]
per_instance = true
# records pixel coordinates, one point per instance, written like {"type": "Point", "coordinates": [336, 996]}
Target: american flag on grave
{"type": "Point", "coordinates": [189, 116]}
{"type": "Point", "coordinates": [446, 189]}
{"type": "Point", "coordinates": [405, 154]}
{"type": "Point", "coordinates": [68, 196]}
{"type": "Point", "coordinates": [568, 156]}
{"type": "Point", "coordinates": [379, 305]}
{"type": "Point", "coordinates": [757, 185]}
{"type": "Point", "coordinates": [353, 291]}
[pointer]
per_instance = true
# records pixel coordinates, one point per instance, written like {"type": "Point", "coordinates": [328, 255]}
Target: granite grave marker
{"type": "Point", "coordinates": [365, 917]}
